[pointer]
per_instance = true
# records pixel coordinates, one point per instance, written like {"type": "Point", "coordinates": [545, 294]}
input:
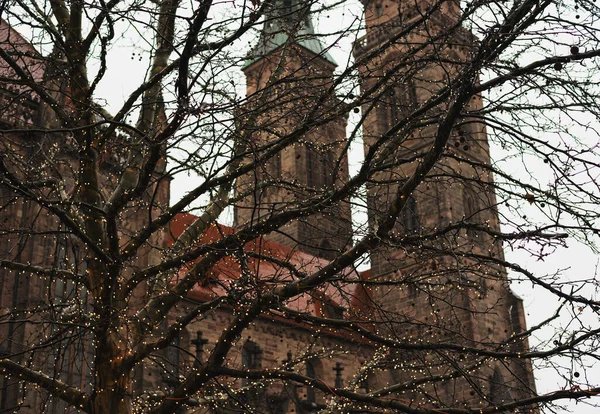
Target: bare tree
{"type": "Point", "coordinates": [116, 299]}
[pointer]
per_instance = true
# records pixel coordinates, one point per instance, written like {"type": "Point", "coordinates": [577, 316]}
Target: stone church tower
{"type": "Point", "coordinates": [287, 62]}
{"type": "Point", "coordinates": [449, 287]}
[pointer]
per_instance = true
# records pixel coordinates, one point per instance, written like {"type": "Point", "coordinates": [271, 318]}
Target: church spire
{"type": "Point", "coordinates": [287, 21]}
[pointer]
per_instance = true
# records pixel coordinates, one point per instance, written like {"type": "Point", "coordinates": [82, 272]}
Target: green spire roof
{"type": "Point", "coordinates": [287, 18]}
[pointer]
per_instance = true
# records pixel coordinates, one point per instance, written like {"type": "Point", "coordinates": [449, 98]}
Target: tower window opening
{"type": "Point", "coordinates": [409, 216]}
{"type": "Point", "coordinates": [173, 361]}
{"type": "Point", "coordinates": [311, 372]}
{"type": "Point", "coordinates": [325, 250]}
{"type": "Point", "coordinates": [402, 101]}
{"type": "Point", "coordinates": [472, 211]}
{"type": "Point", "coordinates": [319, 169]}
{"type": "Point", "coordinates": [397, 103]}
{"type": "Point", "coordinates": [275, 169]}
{"type": "Point", "coordinates": [250, 358]}
{"type": "Point", "coordinates": [331, 310]}
{"type": "Point", "coordinates": [499, 391]}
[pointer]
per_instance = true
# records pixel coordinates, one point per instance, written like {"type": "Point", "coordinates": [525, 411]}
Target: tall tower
{"type": "Point", "coordinates": [440, 272]}
{"type": "Point", "coordinates": [298, 145]}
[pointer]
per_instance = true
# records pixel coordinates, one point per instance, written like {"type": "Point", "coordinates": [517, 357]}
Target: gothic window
{"type": "Point", "coordinates": [395, 374]}
{"type": "Point", "coordinates": [402, 101]}
{"type": "Point", "coordinates": [383, 109]}
{"type": "Point", "coordinates": [472, 211]}
{"type": "Point", "coordinates": [328, 169]}
{"type": "Point", "coordinates": [275, 166]}
{"type": "Point", "coordinates": [311, 372]}
{"type": "Point", "coordinates": [409, 216]}
{"type": "Point", "coordinates": [514, 318]}
{"type": "Point", "coordinates": [250, 358]}
{"type": "Point", "coordinates": [412, 289]}
{"type": "Point", "coordinates": [408, 99]}
{"type": "Point", "coordinates": [325, 250]}
{"type": "Point", "coordinates": [499, 391]}
{"type": "Point", "coordinates": [173, 361]}
{"type": "Point", "coordinates": [364, 386]}
{"type": "Point", "coordinates": [319, 168]}
{"type": "Point", "coordinates": [395, 113]}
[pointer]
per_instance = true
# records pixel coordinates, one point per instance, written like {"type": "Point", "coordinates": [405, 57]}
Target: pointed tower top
{"type": "Point", "coordinates": [287, 21]}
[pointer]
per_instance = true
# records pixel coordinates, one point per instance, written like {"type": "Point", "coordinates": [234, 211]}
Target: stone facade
{"type": "Point", "coordinates": [273, 341]}
{"type": "Point", "coordinates": [451, 287]}
{"type": "Point", "coordinates": [431, 296]}
{"type": "Point", "coordinates": [313, 160]}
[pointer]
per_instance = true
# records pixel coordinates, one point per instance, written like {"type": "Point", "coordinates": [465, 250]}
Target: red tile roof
{"type": "Point", "coordinates": [259, 261]}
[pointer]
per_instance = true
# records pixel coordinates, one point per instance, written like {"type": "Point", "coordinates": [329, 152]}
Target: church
{"type": "Point", "coordinates": [425, 327]}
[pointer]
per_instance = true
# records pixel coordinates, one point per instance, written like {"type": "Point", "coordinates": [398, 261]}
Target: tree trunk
{"type": "Point", "coordinates": [113, 388]}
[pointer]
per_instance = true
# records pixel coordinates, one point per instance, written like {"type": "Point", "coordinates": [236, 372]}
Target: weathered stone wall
{"type": "Point", "coordinates": [283, 89]}
{"type": "Point", "coordinates": [440, 290]}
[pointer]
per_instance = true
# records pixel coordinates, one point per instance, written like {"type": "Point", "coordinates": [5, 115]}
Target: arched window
{"type": "Point", "coordinates": [73, 360]}
{"type": "Point", "coordinates": [332, 310]}
{"type": "Point", "coordinates": [472, 211]}
{"type": "Point", "coordinates": [400, 100]}
{"type": "Point", "coordinates": [378, 10]}
{"type": "Point", "coordinates": [175, 358]}
{"type": "Point", "coordinates": [275, 166]}
{"type": "Point", "coordinates": [320, 172]}
{"type": "Point", "coordinates": [409, 216]}
{"type": "Point", "coordinates": [499, 391]}
{"type": "Point", "coordinates": [313, 173]}
{"type": "Point", "coordinates": [328, 168]}
{"type": "Point", "coordinates": [314, 369]}
{"type": "Point", "coordinates": [173, 361]}
{"type": "Point", "coordinates": [411, 287]}
{"type": "Point", "coordinates": [250, 358]}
